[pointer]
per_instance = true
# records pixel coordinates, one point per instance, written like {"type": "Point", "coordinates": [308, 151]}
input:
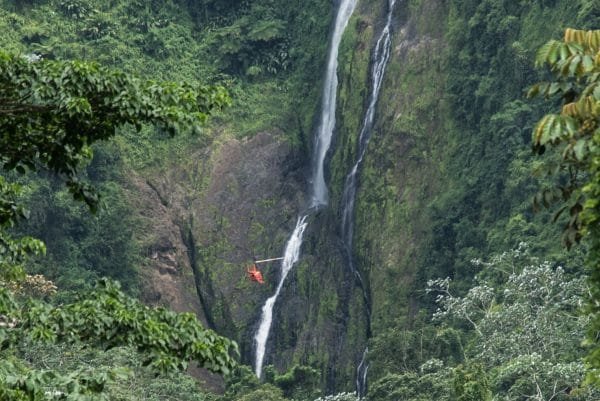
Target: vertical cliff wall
{"type": "Point", "coordinates": [445, 177]}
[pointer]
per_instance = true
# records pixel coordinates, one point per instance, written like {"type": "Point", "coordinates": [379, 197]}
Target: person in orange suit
{"type": "Point", "coordinates": [255, 275]}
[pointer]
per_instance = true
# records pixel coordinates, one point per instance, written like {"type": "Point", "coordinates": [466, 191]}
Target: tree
{"type": "Point", "coordinates": [573, 135]}
{"type": "Point", "coordinates": [51, 112]}
{"type": "Point", "coordinates": [526, 331]}
{"type": "Point", "coordinates": [412, 386]}
{"type": "Point", "coordinates": [105, 318]}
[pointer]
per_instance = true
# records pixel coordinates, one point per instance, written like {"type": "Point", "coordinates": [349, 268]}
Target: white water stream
{"type": "Point", "coordinates": [319, 188]}
{"type": "Point", "coordinates": [329, 98]}
{"type": "Point", "coordinates": [292, 253]}
{"type": "Point", "coordinates": [380, 59]}
{"type": "Point", "coordinates": [381, 56]}
{"type": "Point", "coordinates": [361, 375]}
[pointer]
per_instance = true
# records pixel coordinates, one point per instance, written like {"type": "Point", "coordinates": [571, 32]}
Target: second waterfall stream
{"type": "Point", "coordinates": [381, 56]}
{"type": "Point", "coordinates": [318, 193]}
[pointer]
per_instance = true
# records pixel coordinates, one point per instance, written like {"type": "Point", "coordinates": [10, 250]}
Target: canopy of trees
{"type": "Point", "coordinates": [51, 112]}
{"type": "Point", "coordinates": [519, 333]}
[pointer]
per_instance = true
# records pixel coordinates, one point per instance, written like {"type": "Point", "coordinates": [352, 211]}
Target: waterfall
{"type": "Point", "coordinates": [381, 56]}
{"type": "Point", "coordinates": [291, 255]}
{"type": "Point", "coordinates": [328, 103]}
{"type": "Point", "coordinates": [319, 188]}
{"type": "Point", "coordinates": [361, 375]}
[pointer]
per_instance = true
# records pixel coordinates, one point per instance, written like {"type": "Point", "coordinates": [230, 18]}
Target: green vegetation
{"type": "Point", "coordinates": [516, 330]}
{"type": "Point", "coordinates": [446, 180]}
{"type": "Point", "coordinates": [51, 113]}
{"type": "Point", "coordinates": [105, 319]}
{"type": "Point", "coordinates": [448, 177]}
{"type": "Point", "coordinates": [179, 41]}
{"type": "Point", "coordinates": [572, 135]}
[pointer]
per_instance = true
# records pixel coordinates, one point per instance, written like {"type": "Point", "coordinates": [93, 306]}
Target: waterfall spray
{"type": "Point", "coordinates": [381, 56]}
{"type": "Point", "coordinates": [319, 188]}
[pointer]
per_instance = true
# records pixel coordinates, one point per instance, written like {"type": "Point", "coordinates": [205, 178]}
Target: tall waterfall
{"type": "Point", "coordinates": [329, 97]}
{"type": "Point", "coordinates": [381, 56]}
{"type": "Point", "coordinates": [319, 188]}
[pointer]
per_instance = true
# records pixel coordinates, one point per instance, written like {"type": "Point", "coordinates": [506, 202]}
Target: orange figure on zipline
{"type": "Point", "coordinates": [255, 275]}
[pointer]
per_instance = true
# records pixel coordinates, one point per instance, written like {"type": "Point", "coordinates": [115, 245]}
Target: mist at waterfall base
{"type": "Point", "coordinates": [381, 56]}
{"type": "Point", "coordinates": [319, 194]}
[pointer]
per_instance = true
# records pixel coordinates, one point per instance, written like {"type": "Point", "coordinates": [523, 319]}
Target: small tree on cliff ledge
{"type": "Point", "coordinates": [573, 134]}
{"type": "Point", "coordinates": [51, 112]}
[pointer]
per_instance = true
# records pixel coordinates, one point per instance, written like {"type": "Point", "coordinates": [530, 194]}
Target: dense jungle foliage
{"type": "Point", "coordinates": [51, 113]}
{"type": "Point", "coordinates": [202, 41]}
{"type": "Point", "coordinates": [59, 110]}
{"type": "Point", "coordinates": [484, 206]}
{"type": "Point", "coordinates": [467, 127]}
{"type": "Point", "coordinates": [473, 296]}
{"type": "Point", "coordinates": [487, 208]}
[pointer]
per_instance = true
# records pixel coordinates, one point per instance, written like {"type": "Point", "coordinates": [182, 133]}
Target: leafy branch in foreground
{"type": "Point", "coordinates": [52, 111]}
{"type": "Point", "coordinates": [573, 132]}
{"type": "Point", "coordinates": [107, 318]}
{"type": "Point", "coordinates": [574, 136]}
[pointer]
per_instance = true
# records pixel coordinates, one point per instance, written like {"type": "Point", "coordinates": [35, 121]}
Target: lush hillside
{"type": "Point", "coordinates": [164, 231]}
{"type": "Point", "coordinates": [194, 43]}
{"type": "Point", "coordinates": [444, 191]}
{"type": "Point", "coordinates": [449, 175]}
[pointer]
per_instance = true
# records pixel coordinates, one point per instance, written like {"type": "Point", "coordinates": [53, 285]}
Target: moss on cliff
{"type": "Point", "coordinates": [446, 175]}
{"type": "Point", "coordinates": [445, 179]}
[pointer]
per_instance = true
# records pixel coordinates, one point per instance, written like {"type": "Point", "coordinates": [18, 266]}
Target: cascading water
{"type": "Point", "coordinates": [291, 255]}
{"type": "Point", "coordinates": [319, 188]}
{"type": "Point", "coordinates": [380, 58]}
{"type": "Point", "coordinates": [361, 375]}
{"type": "Point", "coordinates": [329, 98]}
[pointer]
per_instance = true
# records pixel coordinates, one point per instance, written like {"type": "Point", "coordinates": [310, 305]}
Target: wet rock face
{"type": "Point", "coordinates": [164, 263]}
{"type": "Point", "coordinates": [246, 211]}
{"type": "Point", "coordinates": [206, 216]}
{"type": "Point", "coordinates": [210, 212]}
{"type": "Point", "coordinates": [247, 193]}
